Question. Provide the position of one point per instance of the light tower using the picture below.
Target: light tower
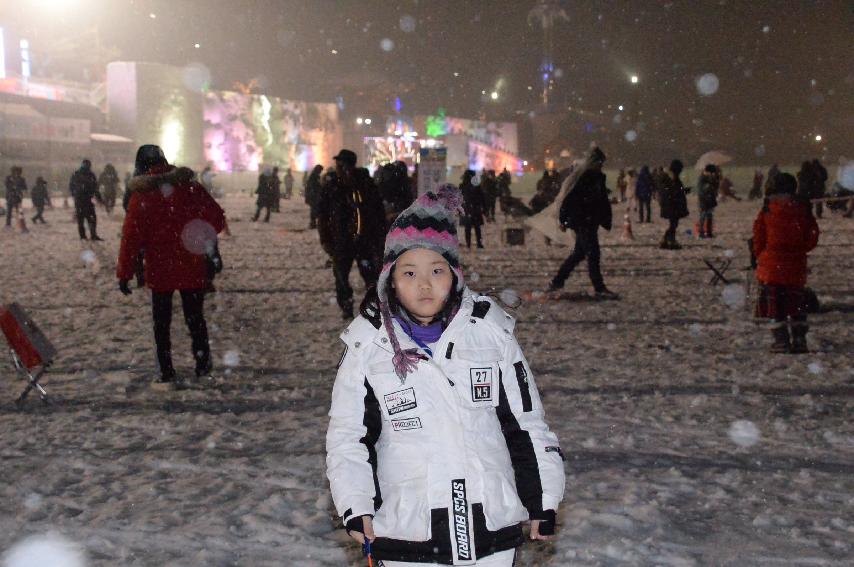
(546, 13)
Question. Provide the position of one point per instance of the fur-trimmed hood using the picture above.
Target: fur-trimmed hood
(173, 176)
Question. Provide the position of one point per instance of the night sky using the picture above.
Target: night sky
(785, 69)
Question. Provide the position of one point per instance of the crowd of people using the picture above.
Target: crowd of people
(352, 211)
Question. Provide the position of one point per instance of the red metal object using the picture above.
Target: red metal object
(25, 338)
(31, 352)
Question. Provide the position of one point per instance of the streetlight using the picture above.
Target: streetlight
(635, 79)
(368, 121)
(636, 99)
(818, 137)
(359, 120)
(493, 95)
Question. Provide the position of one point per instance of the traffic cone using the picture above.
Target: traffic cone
(22, 222)
(627, 228)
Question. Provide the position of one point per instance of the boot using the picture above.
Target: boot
(799, 338)
(781, 339)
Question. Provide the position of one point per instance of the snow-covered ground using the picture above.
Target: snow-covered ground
(687, 443)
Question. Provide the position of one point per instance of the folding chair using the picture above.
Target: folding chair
(29, 349)
(719, 271)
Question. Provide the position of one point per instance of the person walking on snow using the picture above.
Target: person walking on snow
(351, 225)
(83, 188)
(707, 200)
(585, 208)
(109, 183)
(474, 206)
(674, 204)
(437, 449)
(644, 189)
(16, 186)
(289, 186)
(40, 198)
(784, 232)
(266, 195)
(175, 221)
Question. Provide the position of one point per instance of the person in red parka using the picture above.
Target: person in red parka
(174, 222)
(784, 232)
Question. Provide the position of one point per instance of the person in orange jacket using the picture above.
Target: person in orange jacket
(784, 232)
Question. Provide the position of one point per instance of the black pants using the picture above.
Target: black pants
(39, 211)
(476, 227)
(586, 246)
(258, 213)
(670, 233)
(644, 205)
(490, 209)
(9, 211)
(86, 214)
(193, 303)
(342, 263)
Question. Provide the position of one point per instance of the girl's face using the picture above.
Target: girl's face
(422, 280)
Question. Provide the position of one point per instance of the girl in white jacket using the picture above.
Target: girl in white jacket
(437, 448)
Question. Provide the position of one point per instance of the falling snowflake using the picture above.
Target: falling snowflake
(196, 77)
(631, 136)
(743, 433)
(733, 296)
(231, 358)
(407, 24)
(198, 237)
(42, 550)
(707, 84)
(386, 44)
(88, 257)
(509, 297)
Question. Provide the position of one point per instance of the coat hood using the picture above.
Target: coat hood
(171, 175)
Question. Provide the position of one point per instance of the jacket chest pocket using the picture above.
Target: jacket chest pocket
(475, 373)
(397, 401)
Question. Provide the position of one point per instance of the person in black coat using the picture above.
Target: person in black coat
(83, 188)
(474, 207)
(40, 198)
(351, 225)
(312, 194)
(674, 204)
(16, 185)
(266, 192)
(585, 208)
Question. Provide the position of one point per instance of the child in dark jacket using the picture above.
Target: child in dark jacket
(783, 233)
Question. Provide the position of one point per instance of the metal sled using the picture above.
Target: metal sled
(30, 351)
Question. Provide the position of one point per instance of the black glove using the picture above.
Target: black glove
(547, 520)
(123, 287)
(356, 524)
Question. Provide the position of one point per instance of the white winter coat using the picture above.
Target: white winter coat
(457, 455)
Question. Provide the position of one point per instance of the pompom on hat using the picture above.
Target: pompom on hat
(431, 223)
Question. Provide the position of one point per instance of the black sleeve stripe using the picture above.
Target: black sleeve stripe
(480, 309)
(526, 470)
(373, 422)
(522, 379)
(449, 351)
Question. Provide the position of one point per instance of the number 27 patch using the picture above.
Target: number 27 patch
(481, 384)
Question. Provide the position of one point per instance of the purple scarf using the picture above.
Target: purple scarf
(420, 334)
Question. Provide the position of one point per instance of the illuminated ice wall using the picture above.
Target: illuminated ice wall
(247, 132)
(502, 136)
(152, 104)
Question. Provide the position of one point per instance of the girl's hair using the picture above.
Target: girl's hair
(370, 307)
